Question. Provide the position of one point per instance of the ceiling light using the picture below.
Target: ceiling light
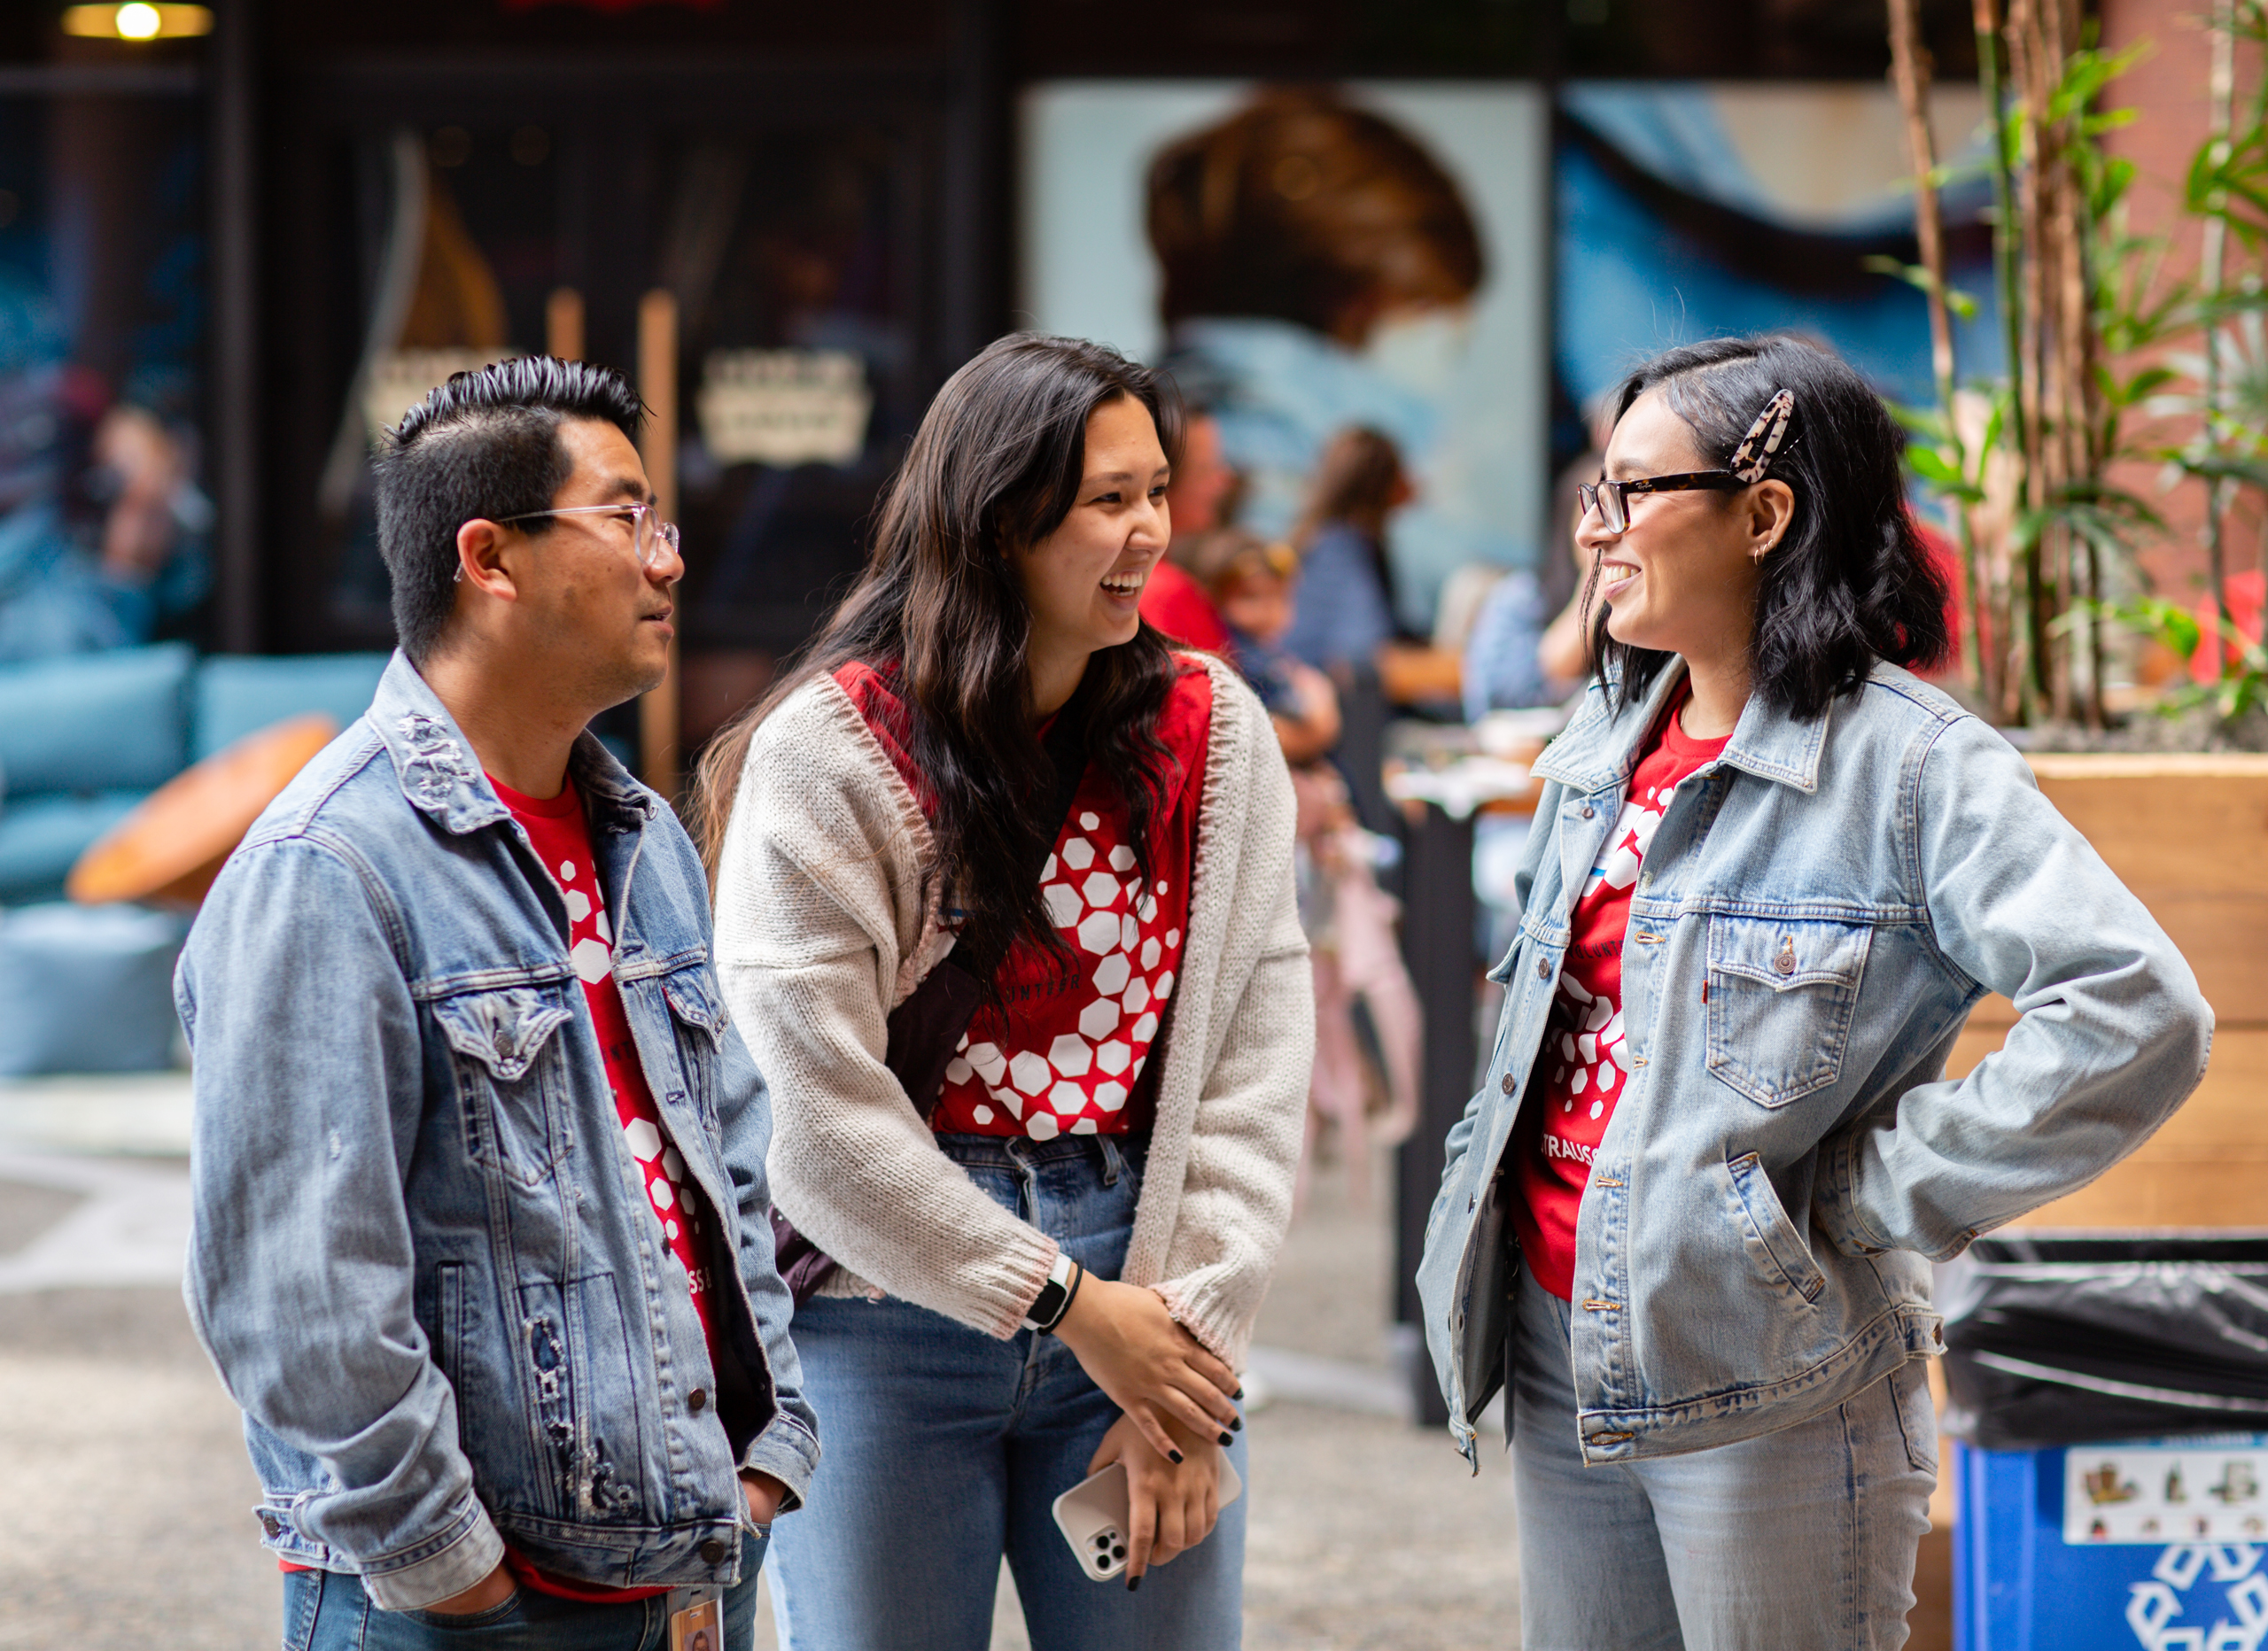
(137, 21)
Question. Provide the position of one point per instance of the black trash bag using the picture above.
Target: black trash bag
(2074, 1337)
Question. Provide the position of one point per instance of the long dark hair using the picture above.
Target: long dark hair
(1850, 582)
(995, 465)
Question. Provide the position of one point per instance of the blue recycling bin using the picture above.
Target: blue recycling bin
(2160, 1544)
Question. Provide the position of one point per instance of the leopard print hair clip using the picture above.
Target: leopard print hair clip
(1751, 461)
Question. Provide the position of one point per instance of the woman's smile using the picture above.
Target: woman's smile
(1124, 587)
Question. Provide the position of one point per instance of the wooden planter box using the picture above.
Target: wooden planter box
(2189, 835)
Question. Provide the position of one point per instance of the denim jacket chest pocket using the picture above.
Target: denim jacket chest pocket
(510, 1086)
(698, 1014)
(1781, 993)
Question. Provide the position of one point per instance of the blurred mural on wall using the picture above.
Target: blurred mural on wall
(1685, 211)
(103, 526)
(1310, 258)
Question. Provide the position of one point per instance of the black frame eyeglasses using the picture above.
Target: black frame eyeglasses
(1767, 439)
(1612, 500)
(648, 534)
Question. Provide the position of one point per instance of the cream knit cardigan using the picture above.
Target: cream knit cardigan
(821, 931)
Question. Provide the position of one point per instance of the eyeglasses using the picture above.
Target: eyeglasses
(1612, 500)
(1751, 461)
(649, 532)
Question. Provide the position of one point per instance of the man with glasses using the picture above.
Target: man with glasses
(481, 1239)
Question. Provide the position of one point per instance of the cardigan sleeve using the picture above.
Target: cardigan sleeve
(808, 948)
(1244, 1147)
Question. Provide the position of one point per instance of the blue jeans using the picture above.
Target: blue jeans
(946, 1449)
(1804, 1536)
(328, 1611)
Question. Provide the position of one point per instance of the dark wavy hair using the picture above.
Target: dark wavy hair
(1851, 581)
(996, 464)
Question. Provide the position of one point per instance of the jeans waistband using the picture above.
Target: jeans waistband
(1111, 1154)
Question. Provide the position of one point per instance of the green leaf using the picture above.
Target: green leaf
(2225, 467)
(1932, 465)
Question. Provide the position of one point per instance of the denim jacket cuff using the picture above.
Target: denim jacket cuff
(1835, 1204)
(443, 1567)
(787, 1451)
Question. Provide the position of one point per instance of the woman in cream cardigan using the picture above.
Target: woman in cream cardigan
(1004, 910)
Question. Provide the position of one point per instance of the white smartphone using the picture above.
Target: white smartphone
(1094, 1513)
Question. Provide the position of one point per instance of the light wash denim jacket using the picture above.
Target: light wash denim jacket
(423, 1259)
(1817, 912)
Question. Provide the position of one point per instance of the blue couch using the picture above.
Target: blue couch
(86, 737)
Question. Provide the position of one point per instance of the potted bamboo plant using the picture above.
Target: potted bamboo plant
(2113, 364)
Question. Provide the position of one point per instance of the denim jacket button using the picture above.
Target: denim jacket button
(697, 1399)
(272, 1525)
(1508, 1084)
(1543, 968)
(1589, 812)
(712, 1552)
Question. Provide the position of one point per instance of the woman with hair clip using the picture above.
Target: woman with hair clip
(1689, 1217)
(1006, 913)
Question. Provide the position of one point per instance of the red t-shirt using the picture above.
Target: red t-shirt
(1582, 1062)
(1176, 606)
(562, 836)
(1062, 1050)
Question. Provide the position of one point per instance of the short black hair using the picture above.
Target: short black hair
(485, 444)
(1851, 581)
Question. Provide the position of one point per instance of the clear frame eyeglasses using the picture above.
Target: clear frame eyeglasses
(650, 534)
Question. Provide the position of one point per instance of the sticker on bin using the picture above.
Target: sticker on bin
(2162, 1494)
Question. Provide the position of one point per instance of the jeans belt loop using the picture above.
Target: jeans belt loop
(1112, 1161)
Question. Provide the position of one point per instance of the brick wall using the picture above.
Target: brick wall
(2169, 90)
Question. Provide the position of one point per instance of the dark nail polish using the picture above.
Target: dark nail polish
(1238, 1394)
(1172, 1455)
(1227, 1438)
(1236, 1424)
(1133, 1583)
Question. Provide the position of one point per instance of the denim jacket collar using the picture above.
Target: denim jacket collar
(1598, 749)
(439, 774)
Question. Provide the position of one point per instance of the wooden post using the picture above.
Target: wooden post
(562, 324)
(657, 709)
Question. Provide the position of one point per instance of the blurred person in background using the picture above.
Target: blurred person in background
(1350, 921)
(1688, 1220)
(102, 527)
(958, 888)
(1202, 496)
(1346, 614)
(1513, 659)
(481, 1234)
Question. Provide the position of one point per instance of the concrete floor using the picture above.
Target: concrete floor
(129, 1524)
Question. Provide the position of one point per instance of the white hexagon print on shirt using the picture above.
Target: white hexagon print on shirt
(1080, 1070)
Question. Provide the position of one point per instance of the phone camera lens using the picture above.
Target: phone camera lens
(1102, 1563)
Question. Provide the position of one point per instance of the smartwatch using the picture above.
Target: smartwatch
(1054, 1298)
